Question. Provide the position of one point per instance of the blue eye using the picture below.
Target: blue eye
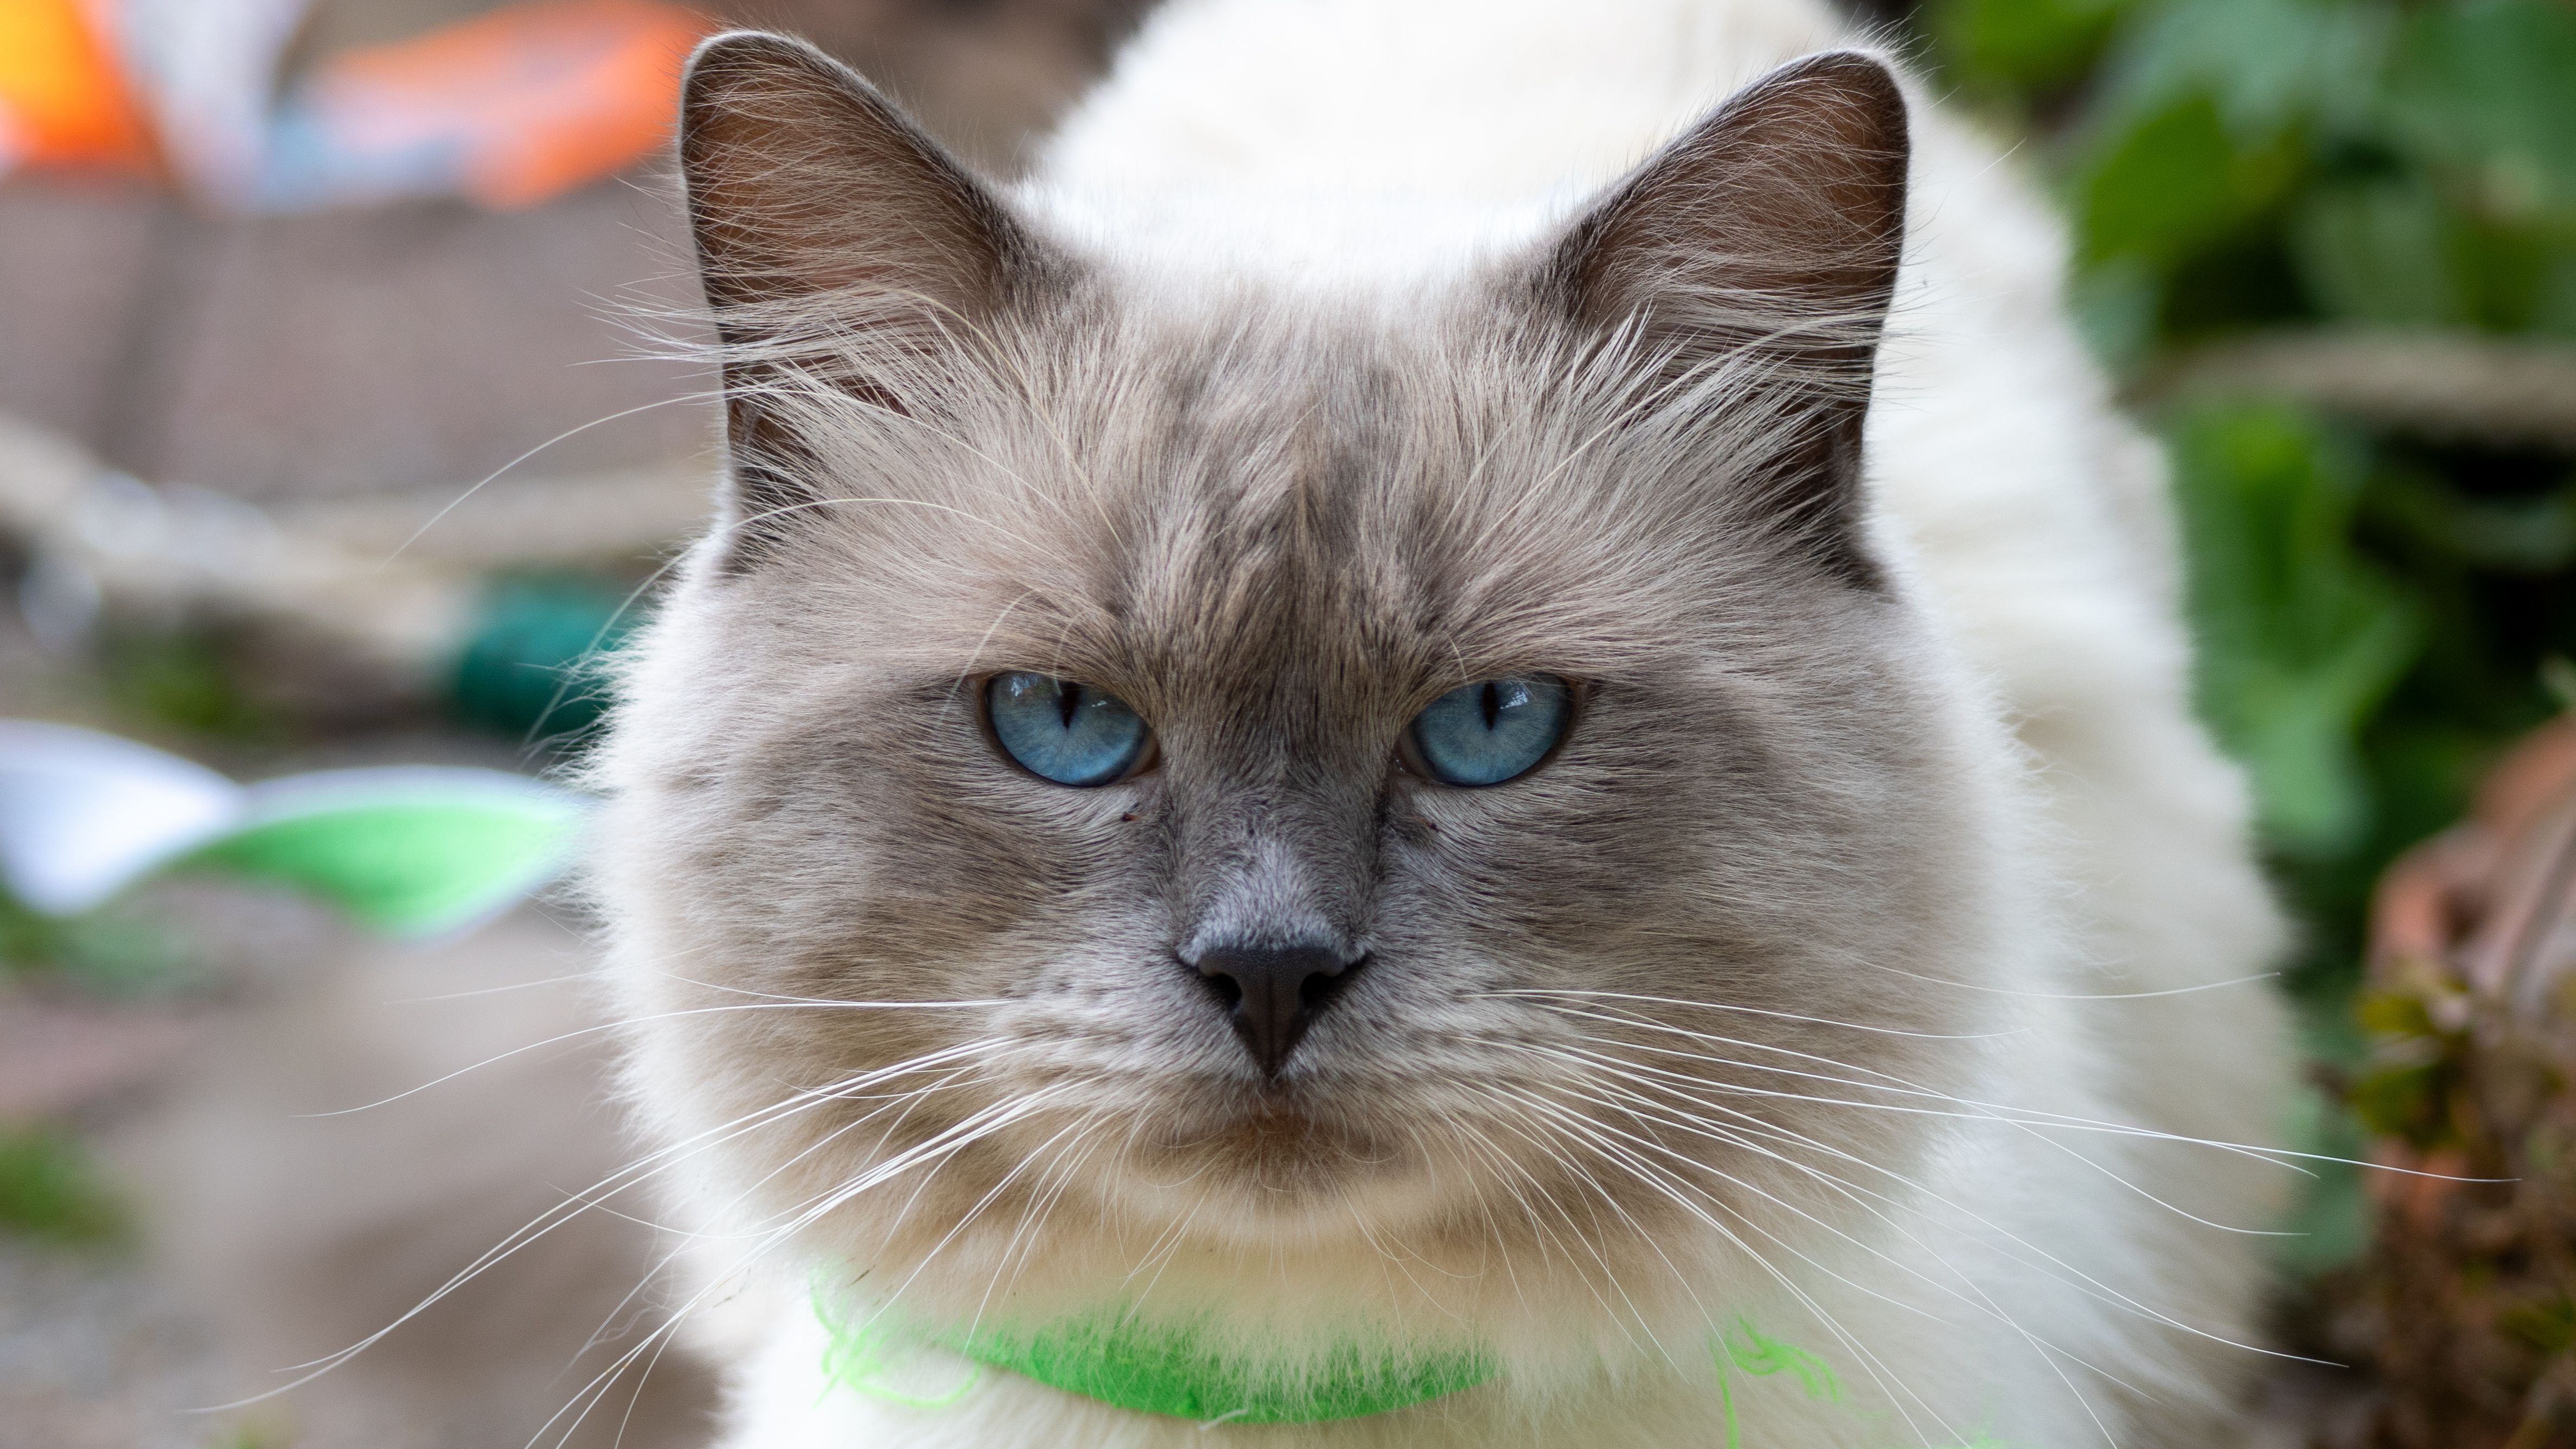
(1487, 733)
(1070, 733)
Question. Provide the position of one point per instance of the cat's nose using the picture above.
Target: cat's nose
(1273, 993)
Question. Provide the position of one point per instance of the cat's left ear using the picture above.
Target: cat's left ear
(838, 244)
(804, 181)
(1753, 260)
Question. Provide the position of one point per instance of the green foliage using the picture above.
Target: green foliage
(2328, 1223)
(183, 679)
(2376, 612)
(2301, 637)
(2024, 43)
(2481, 94)
(49, 1192)
(2397, 164)
(2548, 1328)
(2174, 182)
(2378, 615)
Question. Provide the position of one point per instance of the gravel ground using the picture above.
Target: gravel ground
(98, 1352)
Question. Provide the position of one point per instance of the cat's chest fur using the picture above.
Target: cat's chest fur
(1806, 996)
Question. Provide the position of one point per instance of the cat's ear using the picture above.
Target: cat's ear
(1763, 245)
(803, 180)
(836, 241)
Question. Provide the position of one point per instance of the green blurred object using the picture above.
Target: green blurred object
(2385, 251)
(2276, 70)
(529, 669)
(406, 867)
(2487, 93)
(2328, 1225)
(48, 1192)
(2175, 182)
(1173, 1373)
(184, 678)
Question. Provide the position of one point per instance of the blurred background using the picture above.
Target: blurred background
(281, 283)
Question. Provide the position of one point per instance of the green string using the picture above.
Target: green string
(854, 1358)
(1747, 1348)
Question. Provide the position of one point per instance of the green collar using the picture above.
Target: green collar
(1174, 1372)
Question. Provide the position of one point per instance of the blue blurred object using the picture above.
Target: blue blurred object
(530, 668)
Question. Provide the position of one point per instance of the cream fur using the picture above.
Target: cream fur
(1359, 147)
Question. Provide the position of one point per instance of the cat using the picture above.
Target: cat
(1473, 732)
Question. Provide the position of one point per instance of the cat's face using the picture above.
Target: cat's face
(946, 1010)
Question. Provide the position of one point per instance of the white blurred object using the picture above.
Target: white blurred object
(82, 813)
(207, 71)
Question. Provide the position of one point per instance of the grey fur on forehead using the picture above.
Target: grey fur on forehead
(1724, 303)
(1116, 471)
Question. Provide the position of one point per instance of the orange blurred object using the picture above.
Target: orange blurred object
(528, 101)
(63, 99)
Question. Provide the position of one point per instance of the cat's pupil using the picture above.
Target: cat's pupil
(1493, 702)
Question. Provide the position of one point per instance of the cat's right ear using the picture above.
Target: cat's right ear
(837, 243)
(1749, 265)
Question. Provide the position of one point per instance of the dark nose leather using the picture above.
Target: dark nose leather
(1275, 994)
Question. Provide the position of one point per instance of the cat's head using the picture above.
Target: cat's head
(1240, 776)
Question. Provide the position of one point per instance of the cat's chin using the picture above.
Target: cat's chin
(1264, 1179)
(1267, 1166)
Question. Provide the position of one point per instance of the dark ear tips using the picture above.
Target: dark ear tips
(1861, 78)
(1847, 107)
(722, 58)
(744, 81)
(803, 180)
(1845, 98)
(1785, 205)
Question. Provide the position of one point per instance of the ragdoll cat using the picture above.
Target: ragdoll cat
(1471, 734)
